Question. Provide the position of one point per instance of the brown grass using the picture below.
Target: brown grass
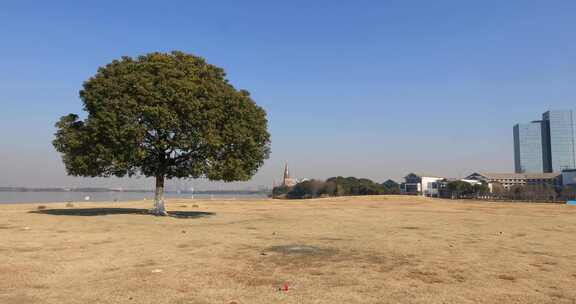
(346, 250)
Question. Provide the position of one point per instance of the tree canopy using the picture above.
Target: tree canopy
(167, 115)
(462, 189)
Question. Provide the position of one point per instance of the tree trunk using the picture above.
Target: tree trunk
(159, 208)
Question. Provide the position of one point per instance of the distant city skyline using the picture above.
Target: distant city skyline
(365, 89)
(546, 145)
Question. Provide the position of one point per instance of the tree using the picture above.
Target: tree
(391, 187)
(280, 191)
(536, 193)
(300, 190)
(329, 189)
(306, 189)
(498, 190)
(516, 192)
(164, 115)
(458, 188)
(480, 189)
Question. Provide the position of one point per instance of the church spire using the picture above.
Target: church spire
(286, 172)
(287, 181)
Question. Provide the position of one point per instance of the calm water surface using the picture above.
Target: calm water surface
(9, 197)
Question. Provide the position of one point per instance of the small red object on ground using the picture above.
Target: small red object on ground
(285, 287)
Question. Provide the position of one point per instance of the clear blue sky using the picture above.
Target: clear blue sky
(363, 88)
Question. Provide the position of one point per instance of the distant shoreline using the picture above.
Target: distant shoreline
(24, 189)
(23, 197)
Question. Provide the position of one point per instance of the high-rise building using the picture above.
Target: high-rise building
(559, 151)
(547, 145)
(528, 154)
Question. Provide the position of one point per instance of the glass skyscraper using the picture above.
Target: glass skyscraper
(559, 152)
(547, 145)
(528, 154)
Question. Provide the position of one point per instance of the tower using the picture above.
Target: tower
(286, 172)
(528, 148)
(559, 151)
(287, 181)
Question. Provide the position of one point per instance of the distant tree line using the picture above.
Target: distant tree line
(461, 189)
(535, 193)
(526, 193)
(336, 186)
(352, 186)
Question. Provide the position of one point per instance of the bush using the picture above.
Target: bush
(336, 186)
(280, 191)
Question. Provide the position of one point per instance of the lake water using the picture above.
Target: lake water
(8, 197)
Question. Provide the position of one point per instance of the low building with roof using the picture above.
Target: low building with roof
(509, 180)
(422, 184)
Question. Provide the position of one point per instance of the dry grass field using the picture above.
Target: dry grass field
(350, 250)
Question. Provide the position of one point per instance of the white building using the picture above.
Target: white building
(422, 184)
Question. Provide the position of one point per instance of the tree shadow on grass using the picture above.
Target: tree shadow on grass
(109, 211)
